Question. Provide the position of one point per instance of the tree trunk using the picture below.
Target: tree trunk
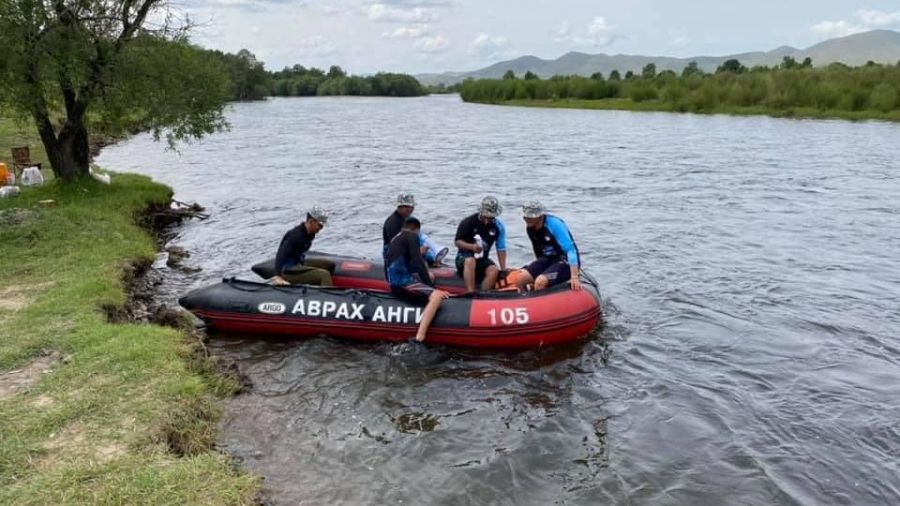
(69, 152)
(75, 150)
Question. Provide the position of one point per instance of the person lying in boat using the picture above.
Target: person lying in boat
(403, 260)
(556, 255)
(291, 265)
(475, 237)
(433, 253)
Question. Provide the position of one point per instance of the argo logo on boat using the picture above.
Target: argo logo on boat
(272, 308)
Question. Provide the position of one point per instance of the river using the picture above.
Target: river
(749, 267)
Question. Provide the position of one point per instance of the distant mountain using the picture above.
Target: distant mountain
(882, 46)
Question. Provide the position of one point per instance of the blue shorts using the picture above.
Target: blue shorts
(416, 294)
(554, 269)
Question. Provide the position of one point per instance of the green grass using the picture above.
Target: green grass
(626, 104)
(98, 427)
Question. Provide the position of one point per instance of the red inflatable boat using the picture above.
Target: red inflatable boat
(361, 309)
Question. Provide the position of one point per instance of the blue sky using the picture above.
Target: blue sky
(416, 36)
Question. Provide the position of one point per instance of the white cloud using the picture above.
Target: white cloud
(333, 10)
(865, 20)
(488, 47)
(246, 5)
(314, 46)
(435, 44)
(599, 34)
(879, 19)
(831, 29)
(382, 12)
(415, 3)
(407, 32)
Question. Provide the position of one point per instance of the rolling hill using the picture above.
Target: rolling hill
(882, 46)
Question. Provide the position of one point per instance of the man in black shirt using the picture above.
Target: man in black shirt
(291, 264)
(402, 260)
(475, 237)
(406, 204)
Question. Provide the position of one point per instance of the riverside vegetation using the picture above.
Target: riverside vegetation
(92, 411)
(793, 88)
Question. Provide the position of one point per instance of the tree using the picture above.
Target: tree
(509, 75)
(734, 66)
(96, 64)
(649, 71)
(335, 72)
(530, 76)
(692, 69)
(629, 75)
(395, 85)
(807, 63)
(249, 79)
(615, 76)
(788, 62)
(666, 75)
(597, 76)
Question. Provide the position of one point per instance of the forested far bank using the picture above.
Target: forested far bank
(251, 81)
(836, 90)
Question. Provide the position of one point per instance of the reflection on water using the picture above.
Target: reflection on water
(750, 350)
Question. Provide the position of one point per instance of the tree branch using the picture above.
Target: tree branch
(126, 10)
(130, 28)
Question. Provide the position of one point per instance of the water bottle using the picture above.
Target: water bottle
(480, 242)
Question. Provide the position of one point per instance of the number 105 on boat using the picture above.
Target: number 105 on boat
(508, 316)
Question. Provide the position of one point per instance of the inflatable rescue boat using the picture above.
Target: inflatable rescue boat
(351, 272)
(360, 307)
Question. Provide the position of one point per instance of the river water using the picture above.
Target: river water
(749, 266)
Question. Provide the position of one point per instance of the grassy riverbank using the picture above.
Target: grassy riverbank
(93, 412)
(788, 90)
(625, 104)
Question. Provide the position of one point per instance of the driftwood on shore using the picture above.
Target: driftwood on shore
(159, 217)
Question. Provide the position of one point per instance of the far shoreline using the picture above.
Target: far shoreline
(624, 104)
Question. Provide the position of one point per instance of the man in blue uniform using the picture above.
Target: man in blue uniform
(291, 264)
(475, 237)
(402, 260)
(556, 255)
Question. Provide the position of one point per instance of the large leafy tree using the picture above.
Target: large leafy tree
(77, 67)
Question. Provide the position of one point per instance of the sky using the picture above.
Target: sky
(420, 36)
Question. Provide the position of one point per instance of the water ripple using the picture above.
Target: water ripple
(750, 289)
